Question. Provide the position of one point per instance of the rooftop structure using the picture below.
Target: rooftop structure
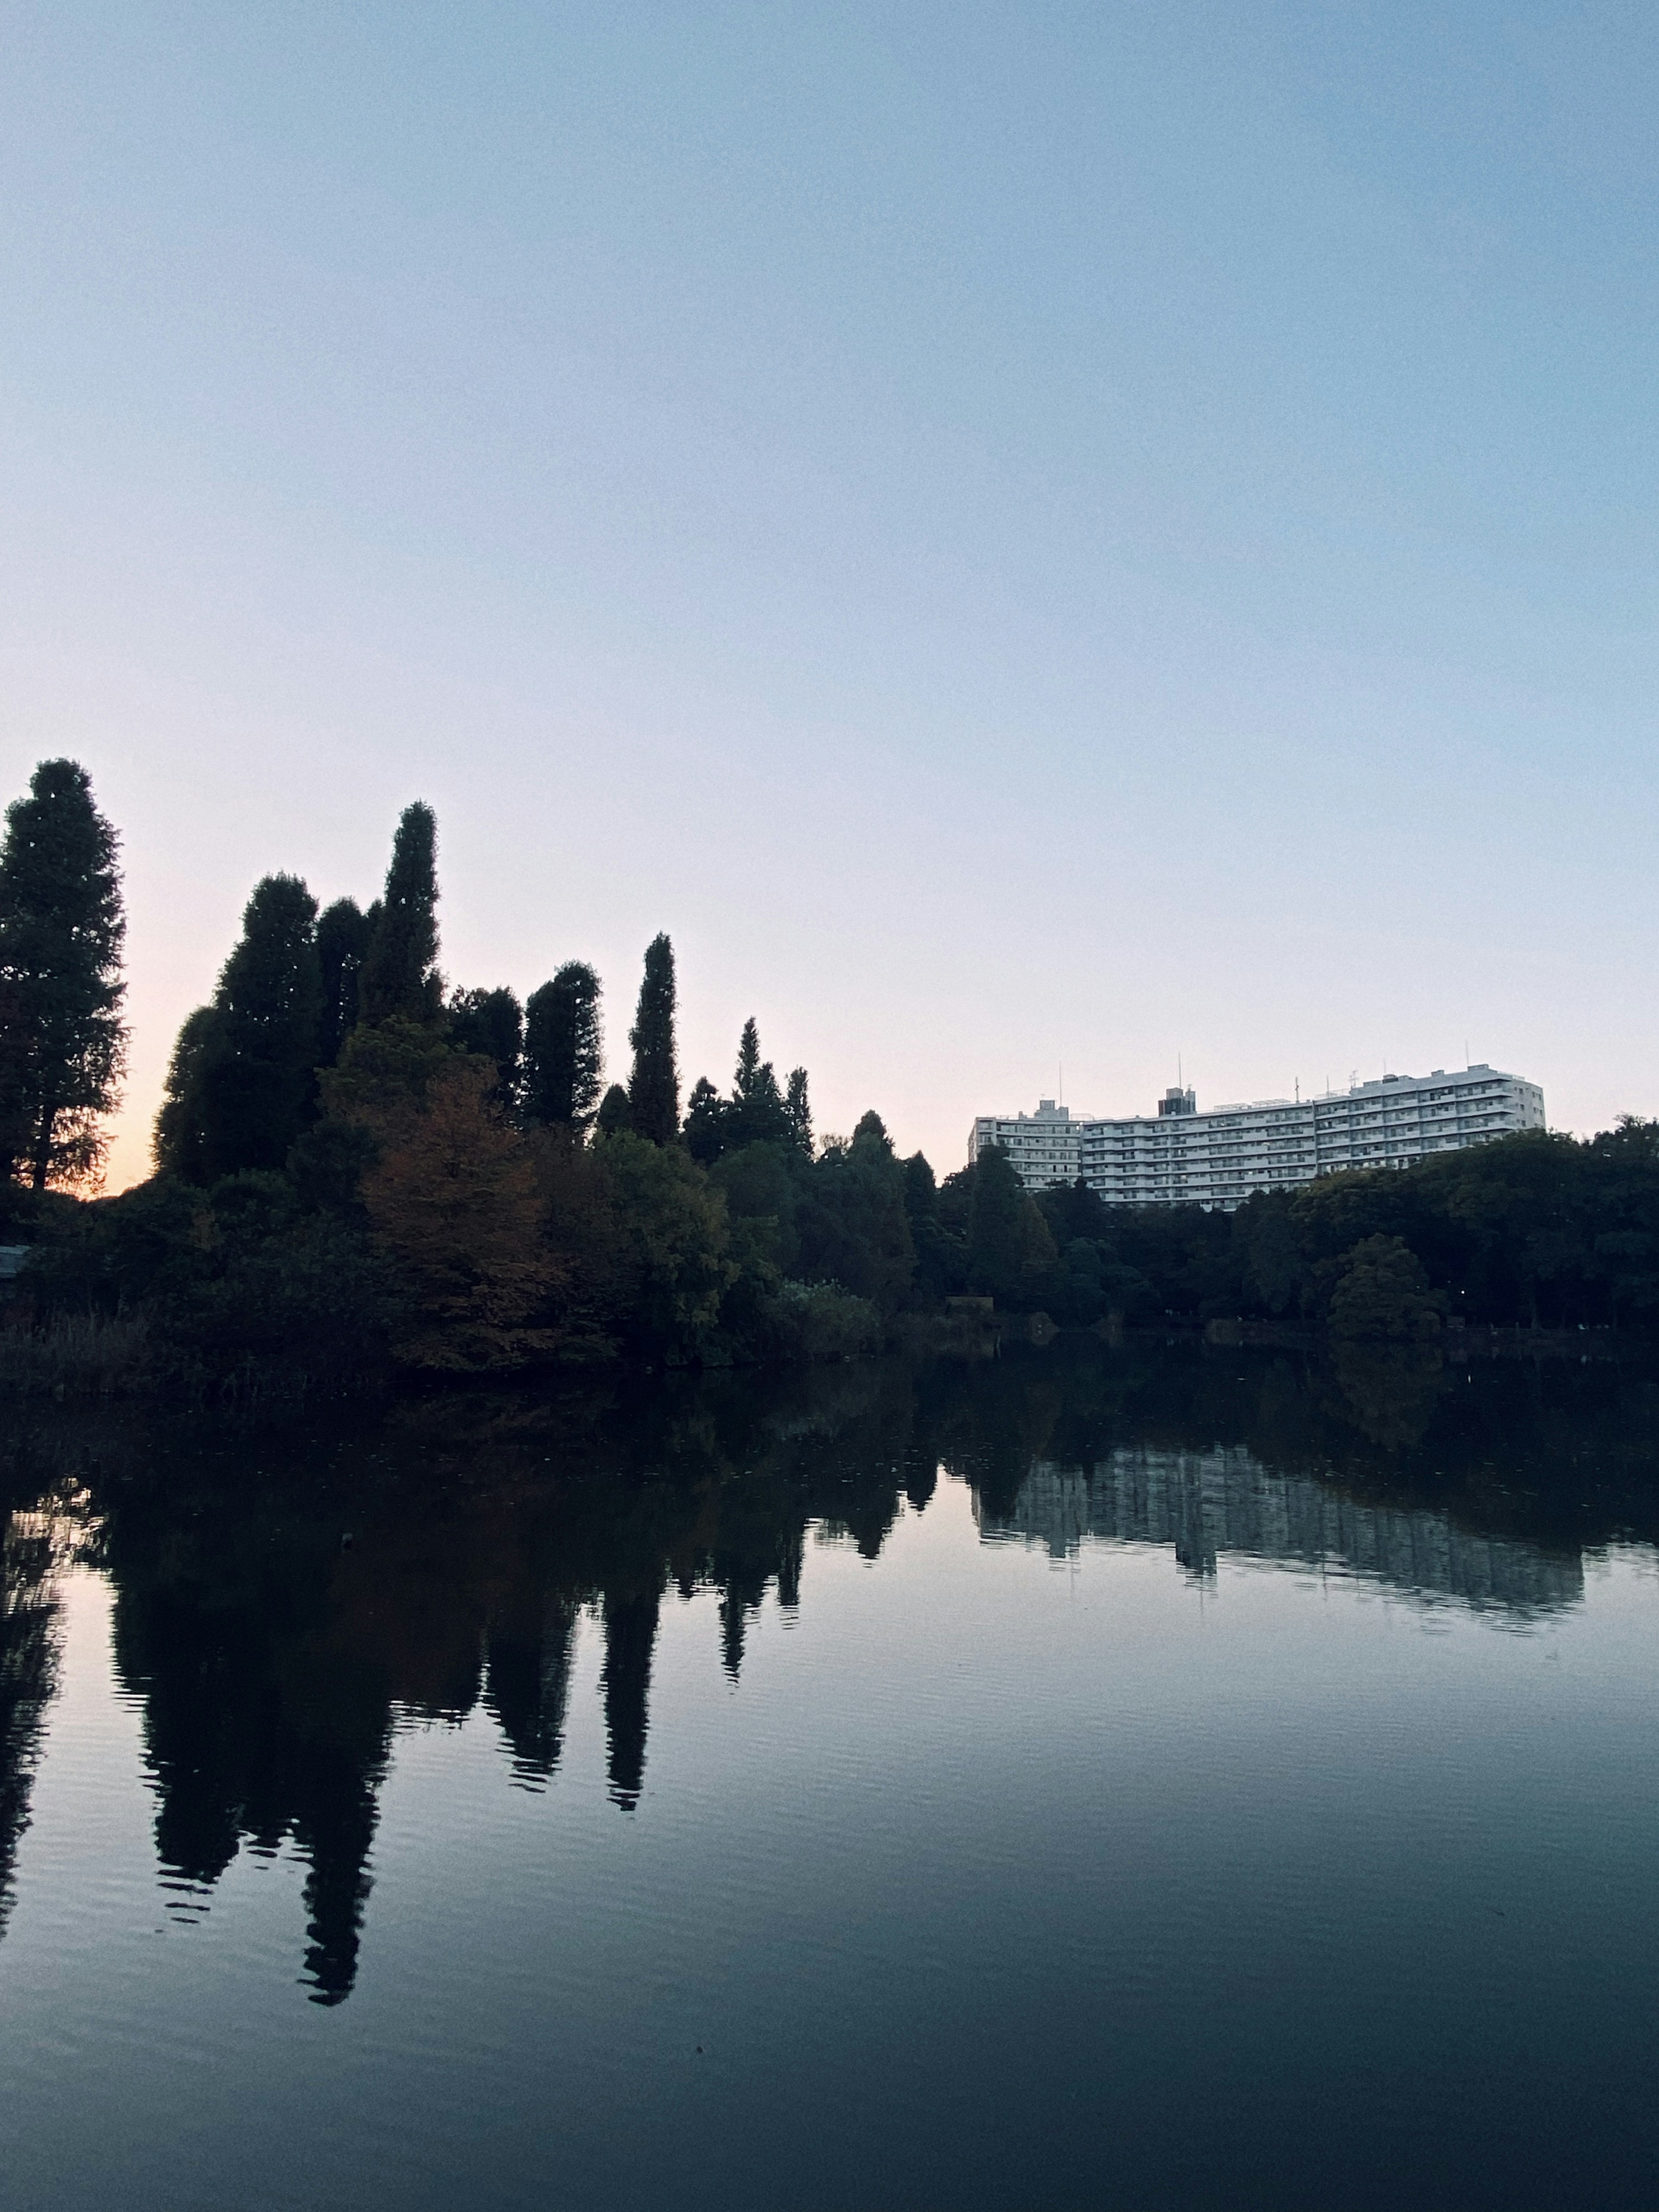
(1182, 1157)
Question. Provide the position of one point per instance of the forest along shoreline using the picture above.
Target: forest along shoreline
(363, 1173)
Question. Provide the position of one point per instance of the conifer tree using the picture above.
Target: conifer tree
(342, 938)
(615, 1118)
(61, 935)
(564, 1048)
(491, 1025)
(653, 1091)
(756, 1114)
(705, 1114)
(764, 1116)
(400, 975)
(243, 1084)
(798, 1112)
(749, 1061)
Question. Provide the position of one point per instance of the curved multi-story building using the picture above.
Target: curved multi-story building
(1180, 1157)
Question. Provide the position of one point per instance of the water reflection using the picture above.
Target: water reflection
(283, 1604)
(1204, 1504)
(31, 1550)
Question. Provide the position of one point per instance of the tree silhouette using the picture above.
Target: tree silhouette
(343, 937)
(29, 1677)
(399, 973)
(61, 935)
(653, 1090)
(630, 1635)
(242, 1085)
(564, 1051)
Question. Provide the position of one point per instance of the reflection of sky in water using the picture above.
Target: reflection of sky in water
(942, 1845)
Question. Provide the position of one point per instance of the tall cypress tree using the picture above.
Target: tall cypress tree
(243, 1083)
(749, 1061)
(343, 932)
(400, 973)
(61, 933)
(653, 1091)
(564, 1047)
(798, 1112)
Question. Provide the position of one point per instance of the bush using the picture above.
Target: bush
(816, 1321)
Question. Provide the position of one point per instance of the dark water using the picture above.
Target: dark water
(1125, 1778)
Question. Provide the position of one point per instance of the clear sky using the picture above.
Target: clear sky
(1016, 532)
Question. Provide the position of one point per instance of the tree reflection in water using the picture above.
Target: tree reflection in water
(31, 1550)
(285, 1602)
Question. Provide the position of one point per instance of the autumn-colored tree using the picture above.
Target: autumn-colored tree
(453, 1203)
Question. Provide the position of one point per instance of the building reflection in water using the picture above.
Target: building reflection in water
(1205, 1506)
(281, 1610)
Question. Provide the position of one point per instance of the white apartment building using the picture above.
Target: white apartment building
(1182, 1157)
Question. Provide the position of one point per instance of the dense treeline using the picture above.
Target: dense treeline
(359, 1166)
(1534, 1230)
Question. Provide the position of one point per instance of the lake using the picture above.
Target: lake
(1156, 1776)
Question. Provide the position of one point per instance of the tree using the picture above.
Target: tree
(384, 1073)
(705, 1123)
(760, 1184)
(177, 1144)
(1382, 1291)
(1010, 1249)
(678, 1264)
(941, 1261)
(615, 1115)
(1073, 1210)
(994, 1224)
(14, 1095)
(749, 1061)
(798, 1112)
(653, 1091)
(343, 932)
(61, 935)
(399, 973)
(491, 1024)
(564, 1048)
(1264, 1235)
(453, 1205)
(852, 1221)
(243, 1086)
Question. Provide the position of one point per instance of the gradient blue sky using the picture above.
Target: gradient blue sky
(1015, 532)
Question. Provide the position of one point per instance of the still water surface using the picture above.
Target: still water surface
(1129, 1779)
